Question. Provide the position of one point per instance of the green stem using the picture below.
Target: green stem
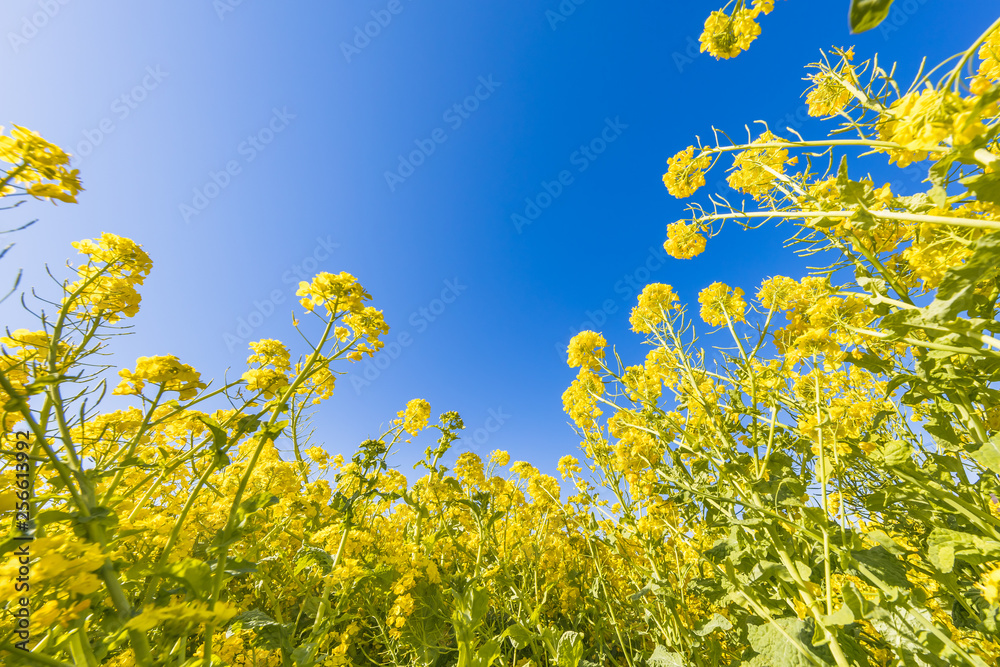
(888, 215)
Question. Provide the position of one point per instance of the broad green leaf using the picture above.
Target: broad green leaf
(313, 557)
(302, 656)
(988, 455)
(841, 617)
(268, 633)
(487, 654)
(236, 566)
(219, 436)
(896, 453)
(717, 622)
(867, 14)
(651, 587)
(570, 649)
(855, 608)
(857, 603)
(957, 287)
(902, 630)
(663, 658)
(518, 635)
(195, 574)
(944, 546)
(986, 187)
(883, 565)
(886, 542)
(773, 648)
(254, 504)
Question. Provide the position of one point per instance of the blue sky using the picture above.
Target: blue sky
(244, 144)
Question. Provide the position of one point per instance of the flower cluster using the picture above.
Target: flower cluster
(655, 303)
(829, 95)
(922, 121)
(586, 350)
(726, 36)
(166, 371)
(684, 240)
(415, 416)
(686, 173)
(756, 169)
(38, 166)
(721, 304)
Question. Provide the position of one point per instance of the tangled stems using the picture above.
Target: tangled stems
(268, 433)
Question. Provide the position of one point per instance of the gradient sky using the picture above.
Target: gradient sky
(243, 142)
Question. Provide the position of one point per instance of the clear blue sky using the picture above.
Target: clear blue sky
(241, 142)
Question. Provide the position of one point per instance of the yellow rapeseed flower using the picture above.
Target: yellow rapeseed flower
(990, 586)
(920, 122)
(655, 302)
(500, 458)
(755, 169)
(686, 173)
(416, 416)
(166, 370)
(684, 241)
(38, 165)
(718, 300)
(586, 349)
(726, 36)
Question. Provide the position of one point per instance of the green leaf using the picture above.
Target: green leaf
(988, 455)
(487, 653)
(957, 287)
(236, 566)
(196, 575)
(867, 14)
(274, 432)
(663, 658)
(302, 655)
(651, 587)
(518, 635)
(570, 649)
(52, 516)
(896, 453)
(254, 504)
(313, 557)
(883, 565)
(903, 631)
(944, 546)
(219, 436)
(841, 617)
(886, 542)
(985, 186)
(860, 607)
(268, 633)
(773, 648)
(717, 622)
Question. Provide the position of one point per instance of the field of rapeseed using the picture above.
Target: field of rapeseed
(819, 490)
